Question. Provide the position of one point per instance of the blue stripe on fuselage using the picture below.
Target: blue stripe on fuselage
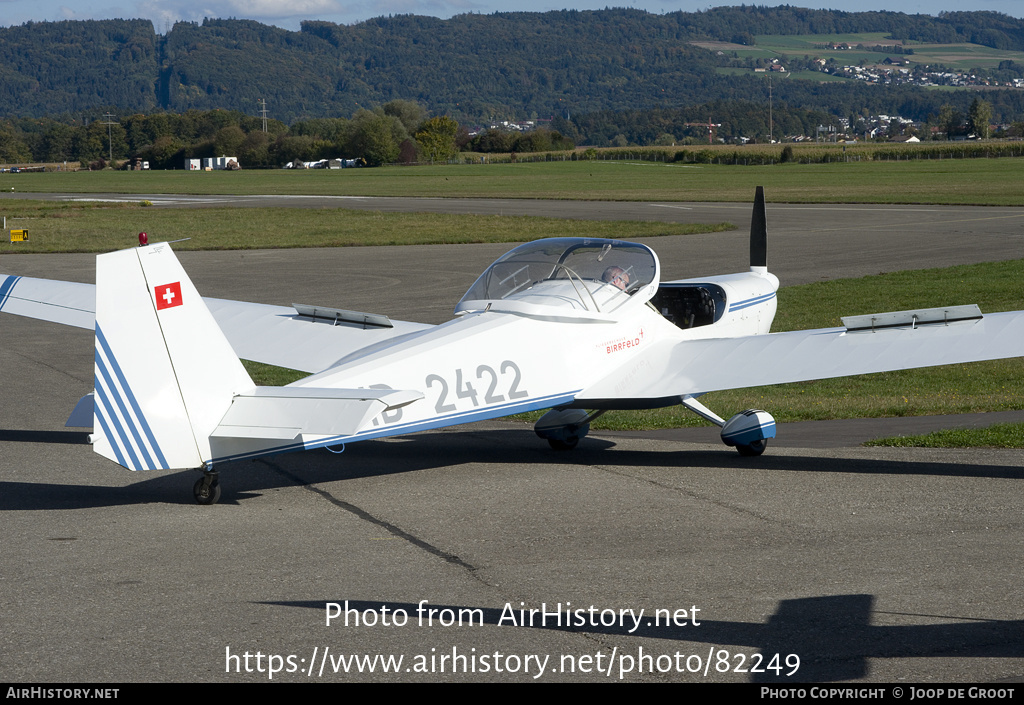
(453, 419)
(751, 302)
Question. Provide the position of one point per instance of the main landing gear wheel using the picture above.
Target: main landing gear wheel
(563, 428)
(751, 449)
(567, 444)
(207, 489)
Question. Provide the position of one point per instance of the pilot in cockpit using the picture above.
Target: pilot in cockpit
(616, 276)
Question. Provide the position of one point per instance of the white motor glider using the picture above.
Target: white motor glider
(576, 325)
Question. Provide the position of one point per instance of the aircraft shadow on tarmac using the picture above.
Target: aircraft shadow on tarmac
(431, 451)
(832, 635)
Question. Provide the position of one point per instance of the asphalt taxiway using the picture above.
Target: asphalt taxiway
(868, 564)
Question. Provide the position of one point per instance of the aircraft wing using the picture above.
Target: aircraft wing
(671, 370)
(275, 335)
(68, 303)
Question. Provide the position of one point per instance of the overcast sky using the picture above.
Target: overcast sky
(288, 13)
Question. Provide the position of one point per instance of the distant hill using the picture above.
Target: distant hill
(474, 67)
(56, 67)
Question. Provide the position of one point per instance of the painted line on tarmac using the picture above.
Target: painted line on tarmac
(163, 201)
(154, 201)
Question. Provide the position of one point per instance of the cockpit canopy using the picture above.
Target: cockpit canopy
(566, 277)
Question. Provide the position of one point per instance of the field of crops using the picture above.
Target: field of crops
(955, 56)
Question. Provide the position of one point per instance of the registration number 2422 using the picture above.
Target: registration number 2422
(457, 388)
(490, 387)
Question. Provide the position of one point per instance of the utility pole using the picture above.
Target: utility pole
(110, 139)
(771, 126)
(263, 111)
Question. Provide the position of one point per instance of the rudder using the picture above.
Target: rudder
(164, 373)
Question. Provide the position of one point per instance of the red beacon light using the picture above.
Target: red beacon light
(143, 239)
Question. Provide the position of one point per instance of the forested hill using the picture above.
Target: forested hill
(48, 68)
(472, 66)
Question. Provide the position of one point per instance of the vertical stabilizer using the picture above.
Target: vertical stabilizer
(164, 374)
(759, 234)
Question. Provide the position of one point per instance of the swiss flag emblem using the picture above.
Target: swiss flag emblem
(167, 295)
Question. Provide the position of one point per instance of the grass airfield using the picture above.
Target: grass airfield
(994, 182)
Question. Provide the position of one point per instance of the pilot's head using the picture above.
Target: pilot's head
(616, 276)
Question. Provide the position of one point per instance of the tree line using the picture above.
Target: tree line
(402, 131)
(399, 130)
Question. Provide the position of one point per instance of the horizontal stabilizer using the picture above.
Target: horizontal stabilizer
(285, 412)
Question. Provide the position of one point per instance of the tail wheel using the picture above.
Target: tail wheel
(751, 449)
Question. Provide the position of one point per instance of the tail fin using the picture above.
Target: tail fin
(170, 391)
(759, 234)
(164, 373)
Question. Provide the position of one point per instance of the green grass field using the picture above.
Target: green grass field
(1004, 435)
(101, 227)
(936, 181)
(802, 42)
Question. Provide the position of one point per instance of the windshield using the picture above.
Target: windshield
(584, 274)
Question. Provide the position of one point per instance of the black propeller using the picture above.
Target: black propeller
(758, 232)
